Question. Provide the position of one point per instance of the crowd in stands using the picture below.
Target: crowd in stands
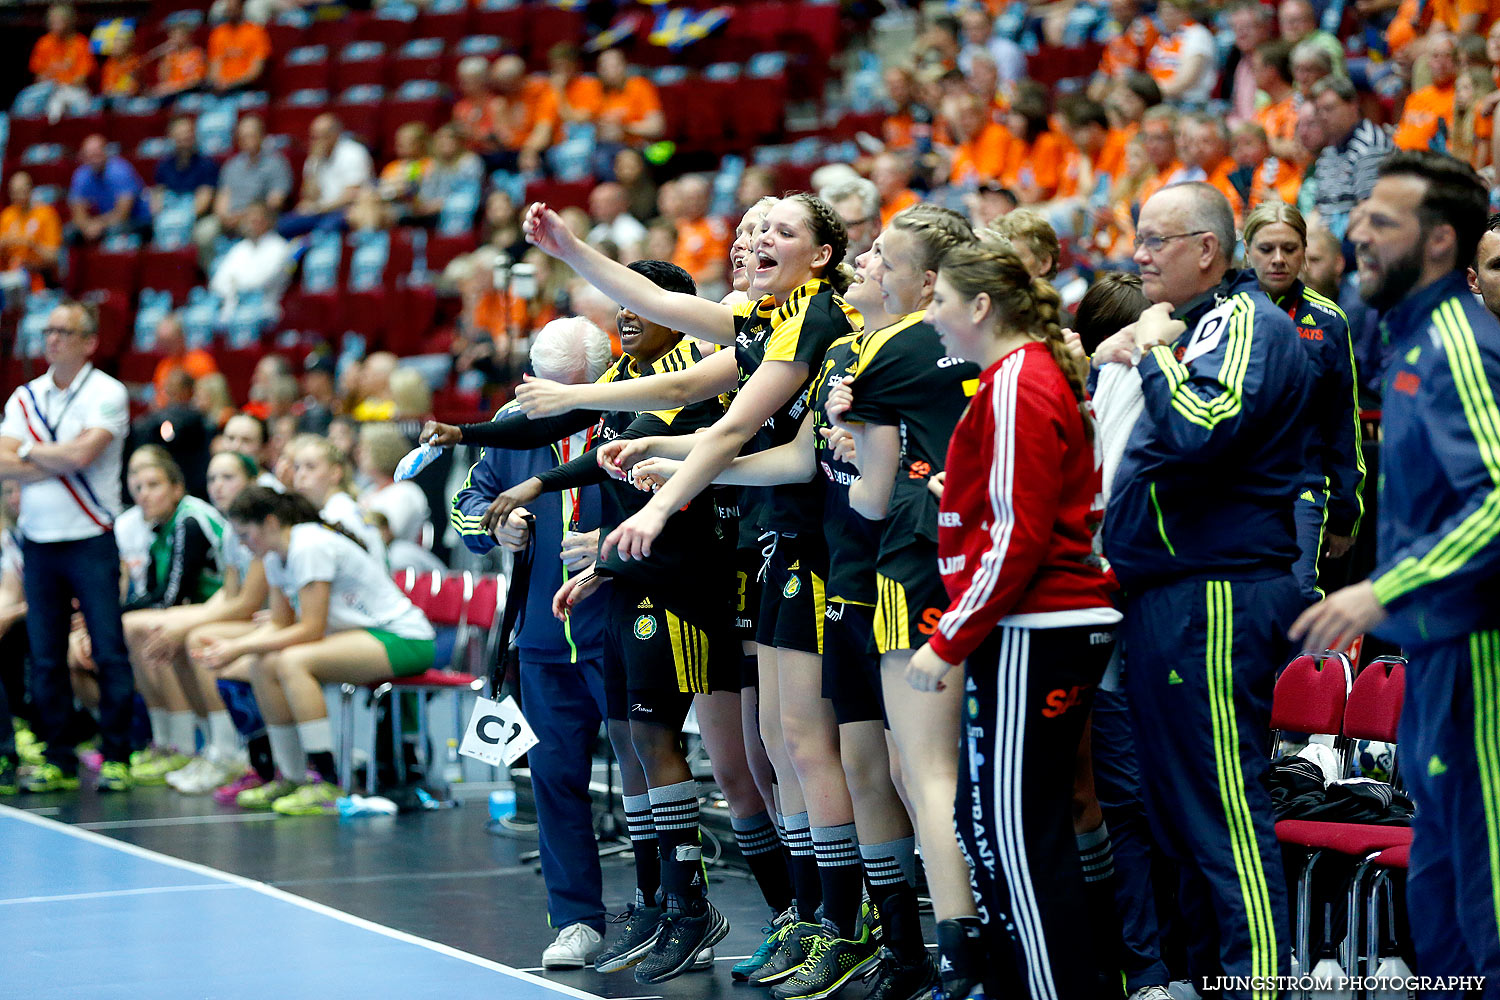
(310, 285)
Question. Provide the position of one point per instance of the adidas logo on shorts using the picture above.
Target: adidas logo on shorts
(644, 604)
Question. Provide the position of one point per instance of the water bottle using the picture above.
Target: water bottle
(503, 799)
(1392, 969)
(1328, 968)
(453, 769)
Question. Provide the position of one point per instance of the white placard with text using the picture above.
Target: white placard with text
(497, 732)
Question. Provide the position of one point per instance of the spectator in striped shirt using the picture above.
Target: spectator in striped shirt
(1356, 146)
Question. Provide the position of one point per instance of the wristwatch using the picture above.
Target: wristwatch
(24, 451)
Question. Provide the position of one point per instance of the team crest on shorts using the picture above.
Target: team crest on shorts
(792, 586)
(645, 627)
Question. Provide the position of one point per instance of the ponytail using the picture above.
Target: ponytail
(1027, 305)
(257, 503)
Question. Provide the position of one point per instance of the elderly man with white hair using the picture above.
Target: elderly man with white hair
(857, 201)
(562, 669)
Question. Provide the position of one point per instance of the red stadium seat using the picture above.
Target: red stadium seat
(92, 268)
(175, 271)
(238, 365)
(128, 130)
(442, 249)
(451, 25)
(507, 22)
(560, 194)
(430, 111)
(138, 366)
(26, 131)
(546, 27)
(338, 31)
(363, 120)
(413, 312)
(351, 72)
(421, 67)
(446, 608)
(287, 76)
(293, 120)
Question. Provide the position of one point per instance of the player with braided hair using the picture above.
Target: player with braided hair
(1030, 617)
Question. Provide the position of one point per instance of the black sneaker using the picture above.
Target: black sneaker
(962, 960)
(681, 938)
(790, 954)
(895, 980)
(642, 924)
(9, 785)
(832, 962)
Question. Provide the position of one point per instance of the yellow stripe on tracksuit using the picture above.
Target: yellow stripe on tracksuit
(892, 625)
(1359, 451)
(1244, 846)
(689, 655)
(1480, 528)
(1483, 650)
(1208, 413)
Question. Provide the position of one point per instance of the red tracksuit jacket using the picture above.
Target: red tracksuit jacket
(1015, 543)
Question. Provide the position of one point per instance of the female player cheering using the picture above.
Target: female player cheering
(1029, 613)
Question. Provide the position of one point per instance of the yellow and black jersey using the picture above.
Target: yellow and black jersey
(904, 380)
(686, 552)
(853, 540)
(800, 330)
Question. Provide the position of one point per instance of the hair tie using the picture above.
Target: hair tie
(251, 467)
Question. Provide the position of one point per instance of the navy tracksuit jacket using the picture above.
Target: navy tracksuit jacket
(1331, 499)
(1438, 575)
(1200, 533)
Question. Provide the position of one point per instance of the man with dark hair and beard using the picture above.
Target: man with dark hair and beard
(1484, 273)
(1436, 585)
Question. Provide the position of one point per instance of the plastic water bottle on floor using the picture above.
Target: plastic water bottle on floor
(503, 799)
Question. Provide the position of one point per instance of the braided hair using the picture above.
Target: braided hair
(256, 503)
(936, 230)
(827, 229)
(1021, 303)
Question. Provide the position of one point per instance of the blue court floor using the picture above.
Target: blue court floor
(86, 917)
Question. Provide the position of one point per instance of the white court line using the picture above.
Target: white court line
(112, 893)
(287, 897)
(206, 820)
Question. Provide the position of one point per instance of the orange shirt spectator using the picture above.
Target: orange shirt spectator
(121, 76)
(585, 95)
(983, 157)
(701, 245)
(1034, 170)
(1421, 115)
(903, 200)
(30, 238)
(1079, 167)
(236, 53)
(1280, 119)
(197, 363)
(1219, 178)
(1275, 179)
(475, 117)
(65, 60)
(632, 103)
(1127, 50)
(179, 71)
(516, 116)
(1174, 173)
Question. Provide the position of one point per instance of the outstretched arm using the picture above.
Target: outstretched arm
(696, 317)
(710, 377)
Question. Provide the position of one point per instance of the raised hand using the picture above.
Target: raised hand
(545, 230)
(652, 473)
(539, 397)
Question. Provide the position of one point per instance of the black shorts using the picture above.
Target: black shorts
(851, 671)
(747, 588)
(911, 597)
(793, 599)
(671, 643)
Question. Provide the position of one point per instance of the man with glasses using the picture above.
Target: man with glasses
(857, 201)
(1346, 167)
(62, 440)
(1200, 532)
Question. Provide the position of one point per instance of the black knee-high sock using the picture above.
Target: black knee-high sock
(674, 811)
(259, 748)
(891, 869)
(643, 844)
(1096, 854)
(758, 843)
(805, 879)
(836, 849)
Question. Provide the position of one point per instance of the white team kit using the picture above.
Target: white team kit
(362, 595)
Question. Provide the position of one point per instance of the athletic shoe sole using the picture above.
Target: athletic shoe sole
(857, 972)
(716, 933)
(629, 959)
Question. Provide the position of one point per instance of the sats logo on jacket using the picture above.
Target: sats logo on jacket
(1062, 699)
(1407, 382)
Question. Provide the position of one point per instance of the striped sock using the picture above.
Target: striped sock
(674, 811)
(805, 880)
(1096, 854)
(643, 843)
(842, 876)
(758, 843)
(891, 869)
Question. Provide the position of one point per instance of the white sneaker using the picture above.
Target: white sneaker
(575, 947)
(705, 959)
(212, 771)
(1151, 993)
(187, 772)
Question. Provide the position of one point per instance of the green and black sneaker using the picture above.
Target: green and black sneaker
(831, 963)
(774, 931)
(642, 925)
(8, 781)
(48, 777)
(114, 776)
(791, 951)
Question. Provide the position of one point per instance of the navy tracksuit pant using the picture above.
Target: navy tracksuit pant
(1117, 782)
(564, 703)
(1450, 760)
(1310, 515)
(1203, 657)
(54, 574)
